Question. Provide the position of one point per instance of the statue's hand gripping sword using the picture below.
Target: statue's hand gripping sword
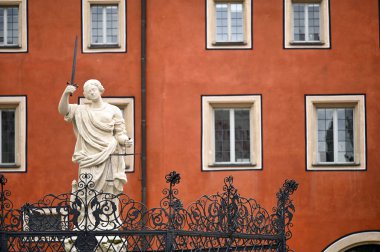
(74, 65)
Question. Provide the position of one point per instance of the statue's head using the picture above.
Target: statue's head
(91, 83)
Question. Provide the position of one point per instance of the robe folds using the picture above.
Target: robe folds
(97, 131)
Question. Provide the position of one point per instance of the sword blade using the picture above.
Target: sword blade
(74, 61)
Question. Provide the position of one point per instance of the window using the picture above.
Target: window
(13, 30)
(335, 135)
(231, 132)
(104, 26)
(126, 105)
(335, 132)
(229, 24)
(7, 135)
(231, 135)
(306, 24)
(13, 134)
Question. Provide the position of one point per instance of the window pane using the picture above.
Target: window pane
(1, 25)
(237, 22)
(221, 22)
(299, 22)
(325, 135)
(112, 23)
(345, 135)
(314, 20)
(8, 136)
(97, 24)
(222, 135)
(10, 16)
(242, 136)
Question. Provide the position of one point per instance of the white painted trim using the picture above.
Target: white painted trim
(353, 240)
(86, 26)
(18, 103)
(324, 25)
(356, 101)
(211, 25)
(253, 103)
(23, 29)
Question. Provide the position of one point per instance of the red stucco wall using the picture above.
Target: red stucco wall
(179, 70)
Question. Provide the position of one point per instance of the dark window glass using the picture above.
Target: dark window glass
(242, 136)
(7, 136)
(222, 135)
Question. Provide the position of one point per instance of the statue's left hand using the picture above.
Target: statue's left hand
(128, 142)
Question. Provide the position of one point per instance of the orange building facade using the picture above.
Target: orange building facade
(283, 62)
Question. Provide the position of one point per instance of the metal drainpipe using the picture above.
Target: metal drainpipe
(143, 101)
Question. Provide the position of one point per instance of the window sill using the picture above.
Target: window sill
(229, 43)
(10, 166)
(10, 47)
(232, 165)
(104, 46)
(305, 43)
(335, 164)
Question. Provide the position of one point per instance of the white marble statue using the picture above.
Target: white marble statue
(100, 131)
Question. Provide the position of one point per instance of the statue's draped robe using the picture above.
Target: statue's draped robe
(97, 130)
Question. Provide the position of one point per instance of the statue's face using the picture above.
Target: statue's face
(92, 92)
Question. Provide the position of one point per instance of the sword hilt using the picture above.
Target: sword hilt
(72, 84)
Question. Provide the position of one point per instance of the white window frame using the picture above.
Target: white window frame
(232, 135)
(211, 42)
(357, 102)
(19, 104)
(306, 23)
(22, 45)
(251, 102)
(127, 106)
(121, 45)
(335, 132)
(324, 25)
(104, 30)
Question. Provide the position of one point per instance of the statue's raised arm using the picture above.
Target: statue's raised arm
(63, 106)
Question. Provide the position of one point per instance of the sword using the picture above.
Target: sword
(74, 65)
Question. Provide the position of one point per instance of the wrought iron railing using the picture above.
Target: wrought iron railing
(88, 220)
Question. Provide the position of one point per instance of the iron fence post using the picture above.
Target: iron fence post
(169, 240)
(283, 234)
(285, 209)
(4, 241)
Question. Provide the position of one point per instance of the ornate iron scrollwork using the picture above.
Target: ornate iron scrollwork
(88, 220)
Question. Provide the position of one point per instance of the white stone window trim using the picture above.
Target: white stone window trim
(211, 26)
(209, 103)
(19, 104)
(325, 40)
(353, 240)
(87, 47)
(312, 102)
(127, 104)
(22, 26)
